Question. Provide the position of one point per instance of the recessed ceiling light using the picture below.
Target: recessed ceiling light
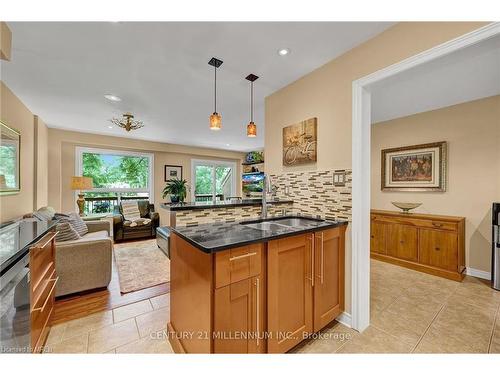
(113, 98)
(227, 144)
(110, 126)
(284, 51)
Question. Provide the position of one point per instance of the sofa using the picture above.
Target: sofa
(85, 263)
(122, 231)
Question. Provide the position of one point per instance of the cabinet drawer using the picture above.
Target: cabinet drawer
(435, 224)
(438, 249)
(237, 264)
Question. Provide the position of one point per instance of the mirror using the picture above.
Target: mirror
(10, 141)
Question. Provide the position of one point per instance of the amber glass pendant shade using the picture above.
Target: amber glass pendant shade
(251, 129)
(215, 121)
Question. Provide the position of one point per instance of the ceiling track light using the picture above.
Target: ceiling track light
(251, 127)
(215, 118)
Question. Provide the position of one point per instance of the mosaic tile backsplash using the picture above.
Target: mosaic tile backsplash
(313, 193)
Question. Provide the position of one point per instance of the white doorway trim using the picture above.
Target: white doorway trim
(361, 138)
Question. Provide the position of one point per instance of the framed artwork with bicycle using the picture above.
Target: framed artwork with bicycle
(300, 142)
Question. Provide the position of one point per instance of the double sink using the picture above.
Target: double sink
(280, 223)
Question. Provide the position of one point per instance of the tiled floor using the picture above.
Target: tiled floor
(410, 312)
(134, 328)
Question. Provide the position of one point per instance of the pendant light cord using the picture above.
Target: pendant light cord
(215, 89)
(251, 102)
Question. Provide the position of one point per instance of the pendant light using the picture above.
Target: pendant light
(251, 127)
(215, 118)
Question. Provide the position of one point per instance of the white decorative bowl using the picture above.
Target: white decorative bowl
(406, 207)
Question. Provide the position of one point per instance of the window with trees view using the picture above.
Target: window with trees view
(213, 180)
(117, 175)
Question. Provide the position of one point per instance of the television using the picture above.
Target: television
(252, 183)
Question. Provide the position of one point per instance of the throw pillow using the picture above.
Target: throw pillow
(65, 232)
(76, 222)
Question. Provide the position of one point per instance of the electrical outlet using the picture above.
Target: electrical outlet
(339, 178)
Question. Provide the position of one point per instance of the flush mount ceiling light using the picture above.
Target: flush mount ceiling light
(127, 122)
(113, 98)
(284, 51)
(215, 118)
(251, 127)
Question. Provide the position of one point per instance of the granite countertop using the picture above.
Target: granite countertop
(204, 205)
(214, 237)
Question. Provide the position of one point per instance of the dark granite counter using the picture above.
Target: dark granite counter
(204, 205)
(211, 238)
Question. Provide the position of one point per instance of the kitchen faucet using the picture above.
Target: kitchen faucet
(267, 188)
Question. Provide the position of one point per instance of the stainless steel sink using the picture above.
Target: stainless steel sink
(286, 222)
(265, 225)
(296, 221)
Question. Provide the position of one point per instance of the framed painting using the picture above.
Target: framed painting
(300, 142)
(10, 143)
(173, 172)
(415, 168)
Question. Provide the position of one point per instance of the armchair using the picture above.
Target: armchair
(122, 231)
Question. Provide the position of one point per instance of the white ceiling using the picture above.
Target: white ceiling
(62, 70)
(466, 75)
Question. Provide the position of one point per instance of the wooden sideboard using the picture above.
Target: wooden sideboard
(434, 244)
(42, 289)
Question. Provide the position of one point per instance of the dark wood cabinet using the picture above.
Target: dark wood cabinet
(428, 243)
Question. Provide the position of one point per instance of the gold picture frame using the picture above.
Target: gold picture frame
(415, 168)
(10, 164)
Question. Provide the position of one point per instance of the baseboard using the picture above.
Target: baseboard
(478, 273)
(345, 319)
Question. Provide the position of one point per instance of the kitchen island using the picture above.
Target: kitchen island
(259, 286)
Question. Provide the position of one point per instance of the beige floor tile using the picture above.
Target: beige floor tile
(132, 310)
(160, 302)
(479, 295)
(373, 340)
(460, 324)
(147, 345)
(153, 321)
(104, 339)
(56, 334)
(328, 340)
(83, 325)
(74, 345)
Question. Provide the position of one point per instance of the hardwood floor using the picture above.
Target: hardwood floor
(82, 304)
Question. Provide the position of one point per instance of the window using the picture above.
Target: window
(212, 180)
(117, 175)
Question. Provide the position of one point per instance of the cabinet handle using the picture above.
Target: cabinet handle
(438, 248)
(48, 297)
(401, 242)
(439, 225)
(322, 259)
(257, 307)
(312, 260)
(242, 256)
(373, 236)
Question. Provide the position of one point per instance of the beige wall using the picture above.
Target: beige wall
(62, 146)
(5, 41)
(41, 164)
(472, 131)
(326, 93)
(16, 115)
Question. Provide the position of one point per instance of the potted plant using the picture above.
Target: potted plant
(177, 189)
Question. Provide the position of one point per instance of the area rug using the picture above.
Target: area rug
(141, 265)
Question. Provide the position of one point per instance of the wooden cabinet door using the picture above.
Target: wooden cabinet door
(290, 291)
(239, 317)
(439, 249)
(329, 273)
(402, 242)
(378, 237)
